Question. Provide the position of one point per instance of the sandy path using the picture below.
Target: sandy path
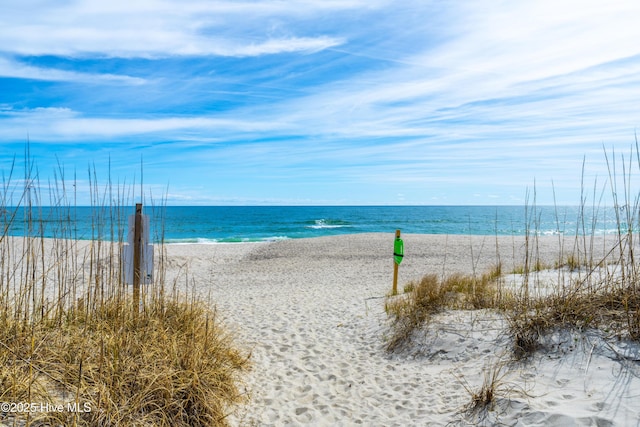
(311, 312)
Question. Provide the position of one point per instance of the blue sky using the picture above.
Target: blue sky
(322, 101)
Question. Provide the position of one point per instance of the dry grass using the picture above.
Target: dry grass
(431, 295)
(610, 301)
(494, 386)
(170, 365)
(614, 310)
(71, 344)
(492, 396)
(603, 293)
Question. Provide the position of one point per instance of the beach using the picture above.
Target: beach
(311, 313)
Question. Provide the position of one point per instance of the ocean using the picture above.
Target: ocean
(231, 224)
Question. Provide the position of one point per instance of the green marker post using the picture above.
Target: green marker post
(398, 255)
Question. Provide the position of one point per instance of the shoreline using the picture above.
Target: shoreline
(275, 239)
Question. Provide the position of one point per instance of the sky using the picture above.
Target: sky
(321, 102)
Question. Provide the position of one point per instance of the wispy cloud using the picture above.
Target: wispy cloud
(161, 28)
(63, 124)
(18, 70)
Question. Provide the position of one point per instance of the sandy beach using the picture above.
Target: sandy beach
(311, 312)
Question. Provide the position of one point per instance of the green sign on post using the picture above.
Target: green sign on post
(398, 250)
(398, 254)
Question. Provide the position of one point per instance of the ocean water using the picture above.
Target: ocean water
(220, 224)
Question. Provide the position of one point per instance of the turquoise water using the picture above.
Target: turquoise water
(212, 224)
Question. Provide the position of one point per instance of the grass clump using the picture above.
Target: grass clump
(484, 397)
(493, 395)
(573, 262)
(411, 310)
(537, 266)
(169, 365)
(431, 295)
(613, 310)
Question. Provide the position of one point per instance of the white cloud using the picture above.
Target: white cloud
(538, 39)
(297, 44)
(16, 69)
(162, 28)
(63, 124)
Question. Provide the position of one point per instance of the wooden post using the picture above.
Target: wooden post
(137, 257)
(395, 269)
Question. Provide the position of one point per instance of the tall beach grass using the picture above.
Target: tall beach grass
(72, 348)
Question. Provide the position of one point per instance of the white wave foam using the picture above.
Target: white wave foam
(324, 224)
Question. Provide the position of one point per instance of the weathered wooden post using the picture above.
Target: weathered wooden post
(137, 257)
(398, 255)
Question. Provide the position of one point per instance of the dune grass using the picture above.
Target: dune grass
(73, 350)
(431, 295)
(592, 292)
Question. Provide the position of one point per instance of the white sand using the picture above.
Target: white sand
(311, 311)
